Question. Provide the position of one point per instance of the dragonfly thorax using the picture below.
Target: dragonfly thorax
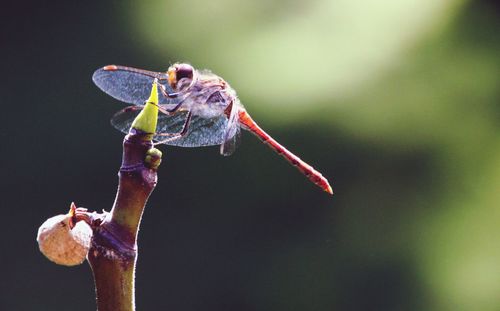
(208, 103)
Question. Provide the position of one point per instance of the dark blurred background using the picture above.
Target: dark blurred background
(396, 102)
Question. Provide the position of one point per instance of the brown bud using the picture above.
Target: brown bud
(62, 243)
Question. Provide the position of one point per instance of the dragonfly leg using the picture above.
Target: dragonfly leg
(169, 112)
(174, 136)
(169, 95)
(166, 93)
(175, 108)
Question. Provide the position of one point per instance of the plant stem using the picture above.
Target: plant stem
(114, 247)
(113, 253)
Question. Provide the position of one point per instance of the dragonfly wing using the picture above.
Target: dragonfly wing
(122, 120)
(230, 145)
(130, 85)
(201, 131)
(232, 136)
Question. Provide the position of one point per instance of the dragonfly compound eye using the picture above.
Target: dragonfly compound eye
(184, 71)
(178, 72)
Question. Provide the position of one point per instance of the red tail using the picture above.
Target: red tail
(312, 174)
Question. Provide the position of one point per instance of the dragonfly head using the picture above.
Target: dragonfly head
(180, 76)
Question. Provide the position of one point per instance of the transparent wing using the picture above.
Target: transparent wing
(232, 143)
(232, 136)
(201, 131)
(130, 85)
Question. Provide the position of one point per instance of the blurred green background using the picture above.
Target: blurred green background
(396, 102)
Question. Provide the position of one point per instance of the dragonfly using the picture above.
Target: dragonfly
(198, 107)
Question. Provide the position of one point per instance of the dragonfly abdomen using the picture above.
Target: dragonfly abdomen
(306, 169)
